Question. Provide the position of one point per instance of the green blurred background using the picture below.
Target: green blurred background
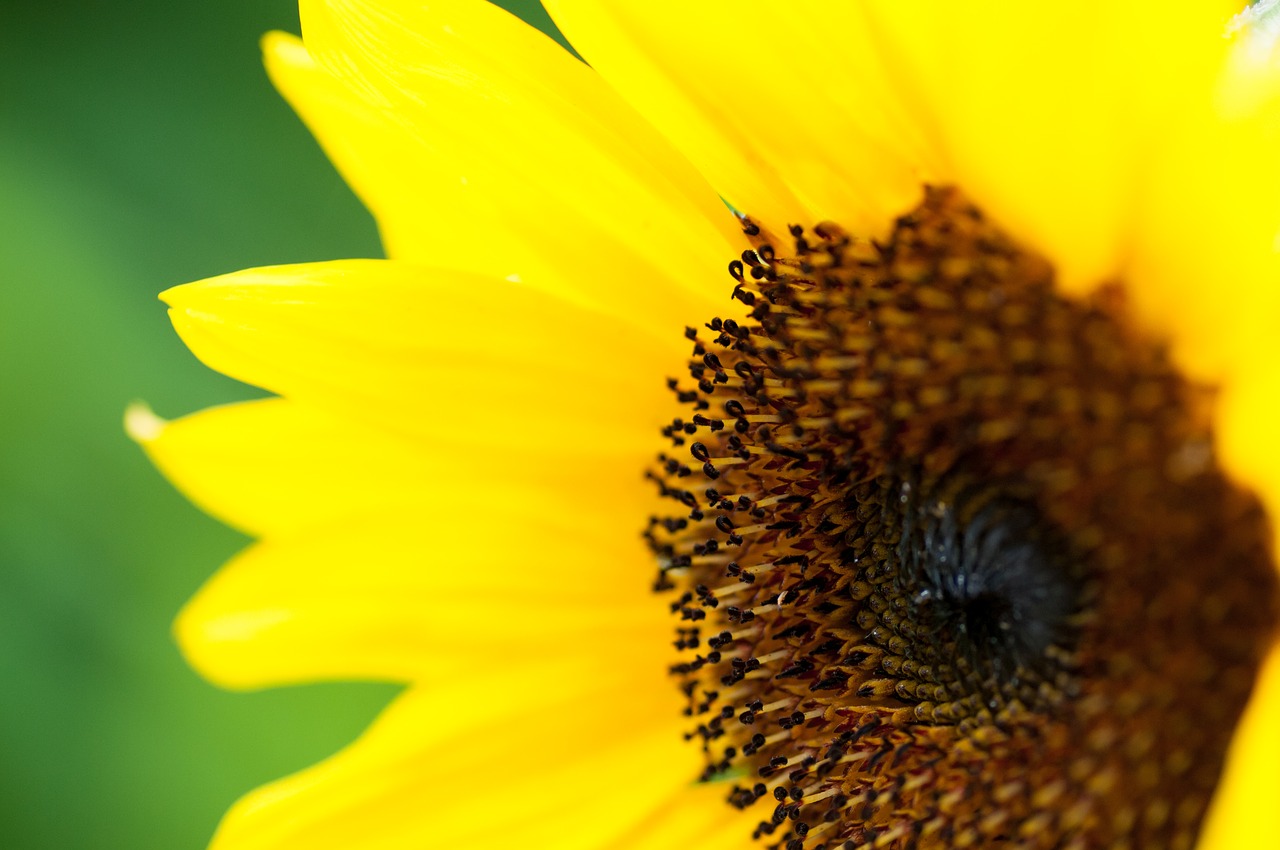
(140, 146)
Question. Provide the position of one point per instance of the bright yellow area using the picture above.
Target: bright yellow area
(429, 353)
(1244, 811)
(453, 579)
(480, 144)
(280, 468)
(1047, 113)
(535, 755)
(695, 817)
(276, 467)
(790, 124)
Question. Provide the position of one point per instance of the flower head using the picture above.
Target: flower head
(960, 521)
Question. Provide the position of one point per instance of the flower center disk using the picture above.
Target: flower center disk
(951, 558)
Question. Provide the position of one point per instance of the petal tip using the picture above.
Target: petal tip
(278, 45)
(171, 295)
(141, 423)
(220, 645)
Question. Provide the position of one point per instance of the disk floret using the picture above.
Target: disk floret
(950, 557)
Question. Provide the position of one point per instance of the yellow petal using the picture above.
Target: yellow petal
(483, 576)
(1244, 810)
(1246, 414)
(697, 816)
(1206, 271)
(547, 757)
(1047, 113)
(428, 352)
(787, 108)
(276, 467)
(480, 144)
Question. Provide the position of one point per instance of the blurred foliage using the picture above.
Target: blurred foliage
(140, 146)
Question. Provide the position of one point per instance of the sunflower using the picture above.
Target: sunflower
(910, 367)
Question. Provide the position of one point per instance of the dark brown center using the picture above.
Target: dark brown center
(952, 558)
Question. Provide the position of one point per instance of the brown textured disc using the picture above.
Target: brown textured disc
(953, 562)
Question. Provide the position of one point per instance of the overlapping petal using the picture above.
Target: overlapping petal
(695, 817)
(1205, 263)
(492, 760)
(480, 144)
(788, 109)
(468, 575)
(276, 467)
(429, 353)
(1047, 115)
